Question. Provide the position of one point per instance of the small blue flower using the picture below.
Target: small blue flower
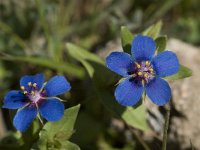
(36, 97)
(143, 72)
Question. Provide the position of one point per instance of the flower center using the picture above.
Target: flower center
(143, 72)
(33, 94)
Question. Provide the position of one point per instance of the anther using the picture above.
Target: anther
(151, 69)
(25, 92)
(29, 83)
(139, 73)
(138, 66)
(32, 92)
(145, 75)
(147, 63)
(22, 88)
(34, 84)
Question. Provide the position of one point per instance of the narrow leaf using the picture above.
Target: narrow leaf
(81, 54)
(65, 67)
(126, 39)
(154, 30)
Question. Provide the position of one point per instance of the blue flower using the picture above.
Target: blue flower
(143, 72)
(36, 97)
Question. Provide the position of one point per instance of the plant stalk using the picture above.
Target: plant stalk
(166, 126)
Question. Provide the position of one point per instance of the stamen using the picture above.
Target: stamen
(138, 65)
(29, 83)
(139, 73)
(145, 75)
(151, 69)
(34, 84)
(32, 92)
(25, 92)
(147, 63)
(22, 87)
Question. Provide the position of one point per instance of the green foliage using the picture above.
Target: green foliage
(154, 30)
(133, 117)
(161, 43)
(56, 134)
(126, 39)
(64, 67)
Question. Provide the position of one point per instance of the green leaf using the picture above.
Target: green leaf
(135, 117)
(161, 43)
(80, 53)
(183, 72)
(69, 146)
(43, 140)
(126, 39)
(65, 67)
(84, 56)
(154, 30)
(64, 128)
(55, 134)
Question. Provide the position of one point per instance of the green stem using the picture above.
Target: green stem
(166, 126)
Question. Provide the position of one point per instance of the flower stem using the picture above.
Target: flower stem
(166, 126)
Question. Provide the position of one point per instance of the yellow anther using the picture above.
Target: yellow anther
(139, 73)
(25, 92)
(32, 92)
(151, 69)
(22, 87)
(138, 66)
(145, 75)
(34, 84)
(29, 83)
(147, 62)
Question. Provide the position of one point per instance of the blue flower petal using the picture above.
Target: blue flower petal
(52, 110)
(38, 79)
(128, 93)
(158, 91)
(24, 117)
(57, 85)
(120, 63)
(14, 100)
(166, 63)
(143, 48)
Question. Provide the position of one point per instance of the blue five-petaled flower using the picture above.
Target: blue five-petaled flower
(36, 97)
(143, 72)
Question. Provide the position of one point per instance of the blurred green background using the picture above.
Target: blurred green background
(33, 35)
